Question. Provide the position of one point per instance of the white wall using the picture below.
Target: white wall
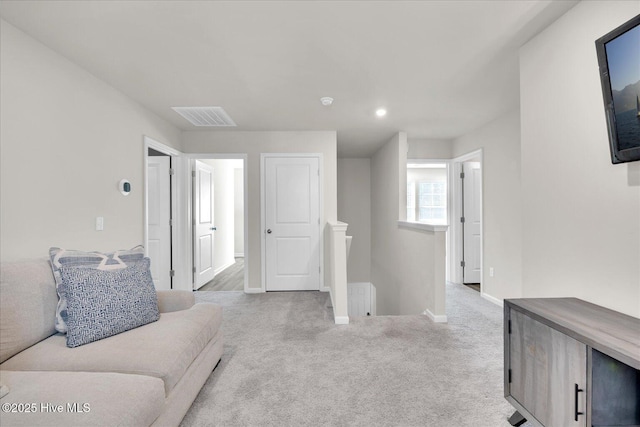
(67, 139)
(254, 143)
(238, 211)
(502, 202)
(223, 212)
(354, 208)
(429, 148)
(581, 214)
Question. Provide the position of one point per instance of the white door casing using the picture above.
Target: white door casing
(203, 225)
(159, 217)
(292, 223)
(472, 226)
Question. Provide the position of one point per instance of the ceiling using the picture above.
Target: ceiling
(441, 68)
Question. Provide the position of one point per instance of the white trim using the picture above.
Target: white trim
(374, 300)
(158, 146)
(338, 320)
(339, 225)
(441, 318)
(321, 230)
(427, 161)
(494, 300)
(191, 157)
(238, 255)
(253, 291)
(422, 226)
(342, 320)
(222, 268)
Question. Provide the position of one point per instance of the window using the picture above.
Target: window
(432, 202)
(427, 193)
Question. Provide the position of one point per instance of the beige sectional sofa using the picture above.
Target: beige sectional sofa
(146, 376)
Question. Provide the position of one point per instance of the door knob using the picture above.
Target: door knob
(214, 228)
(269, 231)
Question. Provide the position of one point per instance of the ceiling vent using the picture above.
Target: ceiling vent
(205, 116)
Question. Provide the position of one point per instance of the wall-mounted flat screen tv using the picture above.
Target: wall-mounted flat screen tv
(619, 61)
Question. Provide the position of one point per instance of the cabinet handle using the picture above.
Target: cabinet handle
(577, 390)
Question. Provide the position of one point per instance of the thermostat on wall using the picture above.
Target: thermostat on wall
(124, 187)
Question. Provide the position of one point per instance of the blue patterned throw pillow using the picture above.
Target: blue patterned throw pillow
(97, 260)
(102, 303)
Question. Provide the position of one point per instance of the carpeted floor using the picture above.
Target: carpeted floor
(286, 364)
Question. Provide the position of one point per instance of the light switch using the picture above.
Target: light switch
(99, 223)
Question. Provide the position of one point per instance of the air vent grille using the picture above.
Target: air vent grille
(205, 116)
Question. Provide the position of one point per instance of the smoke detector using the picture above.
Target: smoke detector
(326, 101)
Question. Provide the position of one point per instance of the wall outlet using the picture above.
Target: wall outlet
(490, 271)
(99, 223)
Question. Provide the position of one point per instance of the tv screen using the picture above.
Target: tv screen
(619, 61)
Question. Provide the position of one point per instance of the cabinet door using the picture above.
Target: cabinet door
(545, 367)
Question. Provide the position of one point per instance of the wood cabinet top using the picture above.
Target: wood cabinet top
(608, 331)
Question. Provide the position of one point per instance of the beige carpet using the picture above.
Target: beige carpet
(286, 364)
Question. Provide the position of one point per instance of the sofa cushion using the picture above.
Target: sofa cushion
(163, 349)
(105, 303)
(175, 300)
(96, 260)
(87, 399)
(27, 305)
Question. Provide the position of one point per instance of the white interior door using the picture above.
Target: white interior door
(292, 223)
(472, 205)
(159, 220)
(203, 224)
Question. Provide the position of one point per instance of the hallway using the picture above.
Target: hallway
(229, 279)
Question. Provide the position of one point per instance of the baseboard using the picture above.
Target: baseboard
(240, 255)
(494, 300)
(339, 320)
(441, 318)
(342, 320)
(253, 291)
(224, 267)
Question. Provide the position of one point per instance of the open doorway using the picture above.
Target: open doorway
(218, 218)
(159, 230)
(160, 191)
(466, 221)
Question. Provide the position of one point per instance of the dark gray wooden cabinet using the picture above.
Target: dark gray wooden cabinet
(571, 363)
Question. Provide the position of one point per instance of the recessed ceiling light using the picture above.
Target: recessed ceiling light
(326, 101)
(381, 112)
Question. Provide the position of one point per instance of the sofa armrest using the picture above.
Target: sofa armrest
(175, 300)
